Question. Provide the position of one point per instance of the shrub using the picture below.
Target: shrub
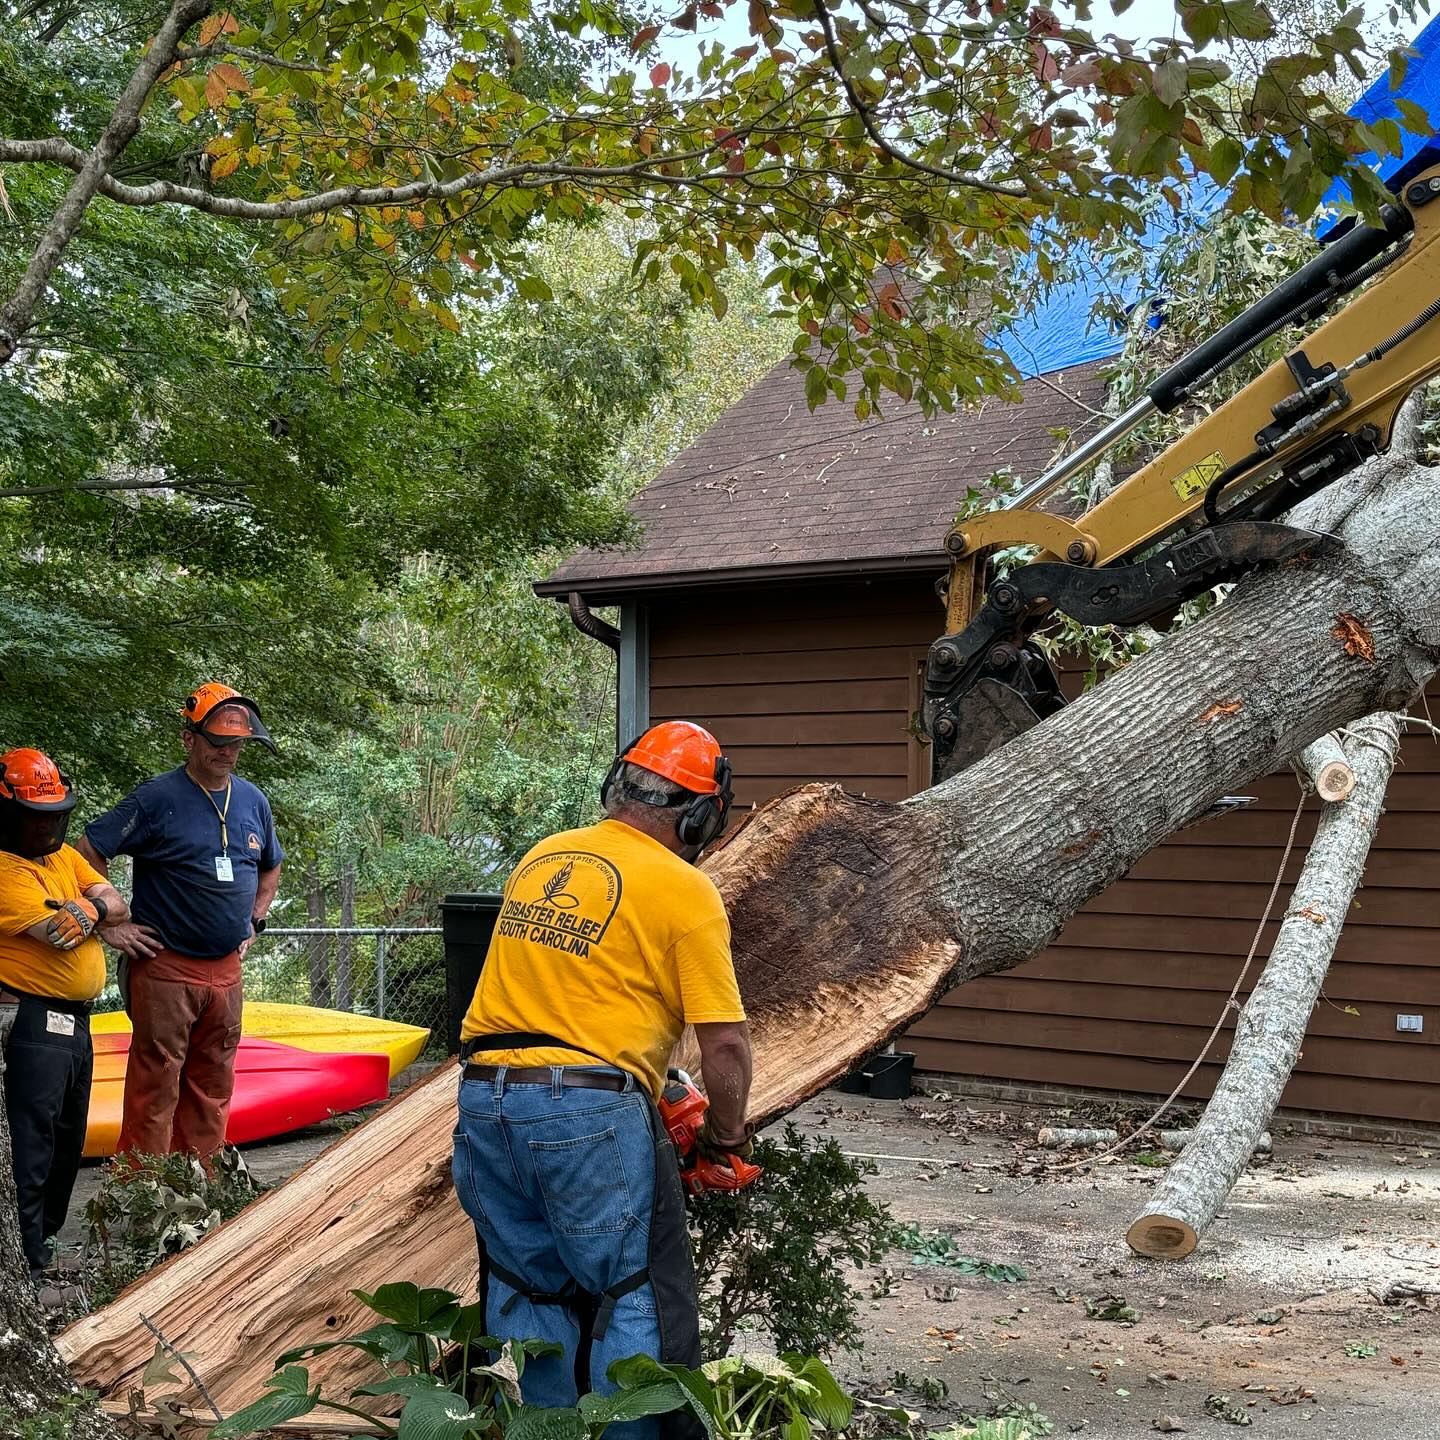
(771, 1258)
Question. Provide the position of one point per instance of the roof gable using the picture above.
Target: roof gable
(773, 487)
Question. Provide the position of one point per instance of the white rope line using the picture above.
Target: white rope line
(1230, 1004)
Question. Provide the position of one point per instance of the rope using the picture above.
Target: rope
(1230, 1004)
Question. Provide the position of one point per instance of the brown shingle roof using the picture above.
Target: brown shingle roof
(772, 486)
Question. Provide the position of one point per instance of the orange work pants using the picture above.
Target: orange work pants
(185, 1019)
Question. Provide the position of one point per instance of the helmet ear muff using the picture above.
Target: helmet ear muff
(613, 773)
(705, 816)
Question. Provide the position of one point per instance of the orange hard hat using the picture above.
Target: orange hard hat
(224, 715)
(681, 751)
(32, 779)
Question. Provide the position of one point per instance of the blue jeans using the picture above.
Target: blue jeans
(560, 1183)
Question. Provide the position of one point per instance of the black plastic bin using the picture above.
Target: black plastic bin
(882, 1077)
(467, 923)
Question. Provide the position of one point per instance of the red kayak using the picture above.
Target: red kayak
(278, 1088)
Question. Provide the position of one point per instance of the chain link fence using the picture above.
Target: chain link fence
(391, 973)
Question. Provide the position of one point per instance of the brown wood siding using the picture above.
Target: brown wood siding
(821, 682)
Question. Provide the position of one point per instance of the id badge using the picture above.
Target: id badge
(223, 869)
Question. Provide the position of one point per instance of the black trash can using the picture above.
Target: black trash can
(466, 923)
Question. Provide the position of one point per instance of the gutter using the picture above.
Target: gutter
(591, 625)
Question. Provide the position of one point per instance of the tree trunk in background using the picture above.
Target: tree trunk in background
(345, 944)
(33, 1378)
(317, 947)
(851, 917)
(1272, 1026)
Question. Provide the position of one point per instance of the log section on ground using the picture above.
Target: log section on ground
(1271, 1027)
(852, 917)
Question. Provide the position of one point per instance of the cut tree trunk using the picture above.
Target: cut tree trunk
(851, 917)
(1272, 1025)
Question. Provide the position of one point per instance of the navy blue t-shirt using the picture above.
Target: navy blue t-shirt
(169, 825)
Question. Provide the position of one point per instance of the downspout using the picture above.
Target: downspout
(592, 625)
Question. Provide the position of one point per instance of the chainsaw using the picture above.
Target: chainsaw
(682, 1109)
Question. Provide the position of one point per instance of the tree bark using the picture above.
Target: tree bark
(92, 173)
(1272, 1025)
(852, 916)
(317, 947)
(33, 1378)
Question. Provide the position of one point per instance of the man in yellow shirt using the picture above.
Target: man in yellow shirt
(51, 970)
(608, 943)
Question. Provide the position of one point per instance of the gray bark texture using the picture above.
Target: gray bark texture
(33, 1379)
(852, 917)
(1271, 1027)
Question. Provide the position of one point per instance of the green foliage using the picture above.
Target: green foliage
(772, 1258)
(400, 161)
(148, 1207)
(56, 1423)
(434, 1356)
(1029, 1424)
(931, 1247)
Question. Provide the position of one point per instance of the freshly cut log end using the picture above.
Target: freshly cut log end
(1165, 1237)
(1335, 782)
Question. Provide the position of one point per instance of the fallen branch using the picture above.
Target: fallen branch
(1329, 770)
(1272, 1026)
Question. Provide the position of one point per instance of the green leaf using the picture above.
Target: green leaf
(832, 1406)
(1225, 157)
(289, 1397)
(1415, 117)
(384, 1342)
(1248, 20)
(532, 287)
(535, 1422)
(439, 1415)
(406, 1385)
(631, 1404)
(815, 386)
(1171, 81)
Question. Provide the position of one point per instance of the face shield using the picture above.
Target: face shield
(33, 831)
(235, 721)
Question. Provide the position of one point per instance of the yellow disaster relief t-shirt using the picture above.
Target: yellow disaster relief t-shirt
(611, 941)
(34, 966)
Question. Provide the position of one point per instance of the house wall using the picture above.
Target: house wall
(821, 682)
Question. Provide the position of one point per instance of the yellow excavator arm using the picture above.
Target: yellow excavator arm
(1203, 510)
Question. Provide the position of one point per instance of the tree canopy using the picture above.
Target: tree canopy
(890, 162)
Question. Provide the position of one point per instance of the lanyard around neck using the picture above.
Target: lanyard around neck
(224, 828)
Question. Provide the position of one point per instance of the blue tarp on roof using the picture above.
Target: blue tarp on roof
(1421, 87)
(1061, 331)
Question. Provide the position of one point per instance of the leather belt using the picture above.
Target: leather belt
(570, 1077)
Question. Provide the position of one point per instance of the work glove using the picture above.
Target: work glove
(74, 921)
(711, 1148)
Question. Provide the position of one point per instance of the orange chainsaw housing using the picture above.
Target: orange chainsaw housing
(682, 1109)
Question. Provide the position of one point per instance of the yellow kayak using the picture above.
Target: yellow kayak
(333, 1032)
(281, 1083)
